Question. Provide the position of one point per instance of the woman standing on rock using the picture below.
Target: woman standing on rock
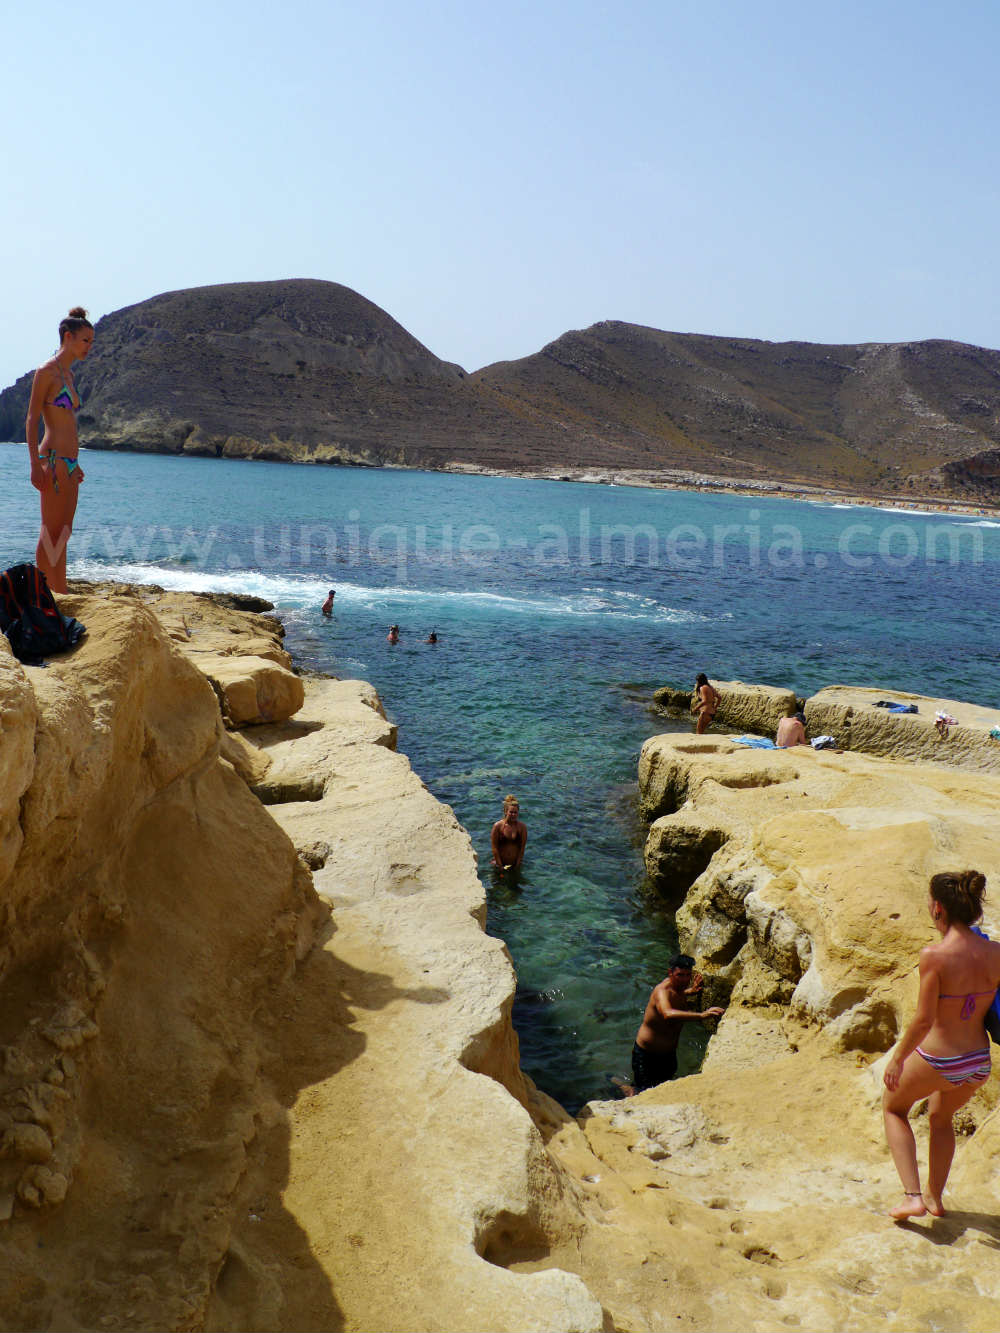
(706, 701)
(55, 469)
(958, 980)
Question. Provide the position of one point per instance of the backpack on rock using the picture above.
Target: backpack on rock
(30, 618)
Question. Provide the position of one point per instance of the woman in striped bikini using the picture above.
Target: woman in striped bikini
(944, 1054)
(55, 467)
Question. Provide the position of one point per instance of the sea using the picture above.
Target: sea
(559, 608)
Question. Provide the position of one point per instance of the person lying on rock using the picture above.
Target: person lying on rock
(944, 1054)
(791, 730)
(671, 1005)
(705, 704)
(509, 837)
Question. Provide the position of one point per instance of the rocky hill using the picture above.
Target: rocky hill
(899, 416)
(271, 368)
(295, 371)
(311, 371)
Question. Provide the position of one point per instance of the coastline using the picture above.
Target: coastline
(677, 479)
(663, 479)
(351, 1112)
(290, 1032)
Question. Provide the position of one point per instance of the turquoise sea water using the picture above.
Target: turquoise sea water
(559, 608)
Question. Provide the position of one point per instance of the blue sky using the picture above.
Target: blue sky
(492, 175)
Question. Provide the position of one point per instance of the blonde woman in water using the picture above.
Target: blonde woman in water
(55, 467)
(509, 836)
(944, 1054)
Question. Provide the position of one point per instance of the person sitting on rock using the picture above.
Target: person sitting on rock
(509, 837)
(791, 730)
(670, 1006)
(958, 981)
(705, 704)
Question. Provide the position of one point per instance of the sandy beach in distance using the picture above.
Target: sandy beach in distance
(677, 479)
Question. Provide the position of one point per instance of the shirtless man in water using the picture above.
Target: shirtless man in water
(705, 704)
(509, 836)
(654, 1055)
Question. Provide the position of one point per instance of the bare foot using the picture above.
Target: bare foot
(912, 1206)
(934, 1206)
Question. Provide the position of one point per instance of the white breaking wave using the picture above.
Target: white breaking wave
(294, 593)
(248, 582)
(912, 513)
(891, 509)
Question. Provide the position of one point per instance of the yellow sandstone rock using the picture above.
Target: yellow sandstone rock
(753, 708)
(235, 1095)
(18, 717)
(208, 1118)
(253, 689)
(761, 1184)
(812, 866)
(848, 714)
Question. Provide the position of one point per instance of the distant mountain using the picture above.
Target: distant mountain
(268, 369)
(920, 415)
(311, 371)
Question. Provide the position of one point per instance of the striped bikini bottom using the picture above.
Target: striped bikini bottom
(973, 1067)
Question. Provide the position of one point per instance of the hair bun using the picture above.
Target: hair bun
(973, 882)
(78, 312)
